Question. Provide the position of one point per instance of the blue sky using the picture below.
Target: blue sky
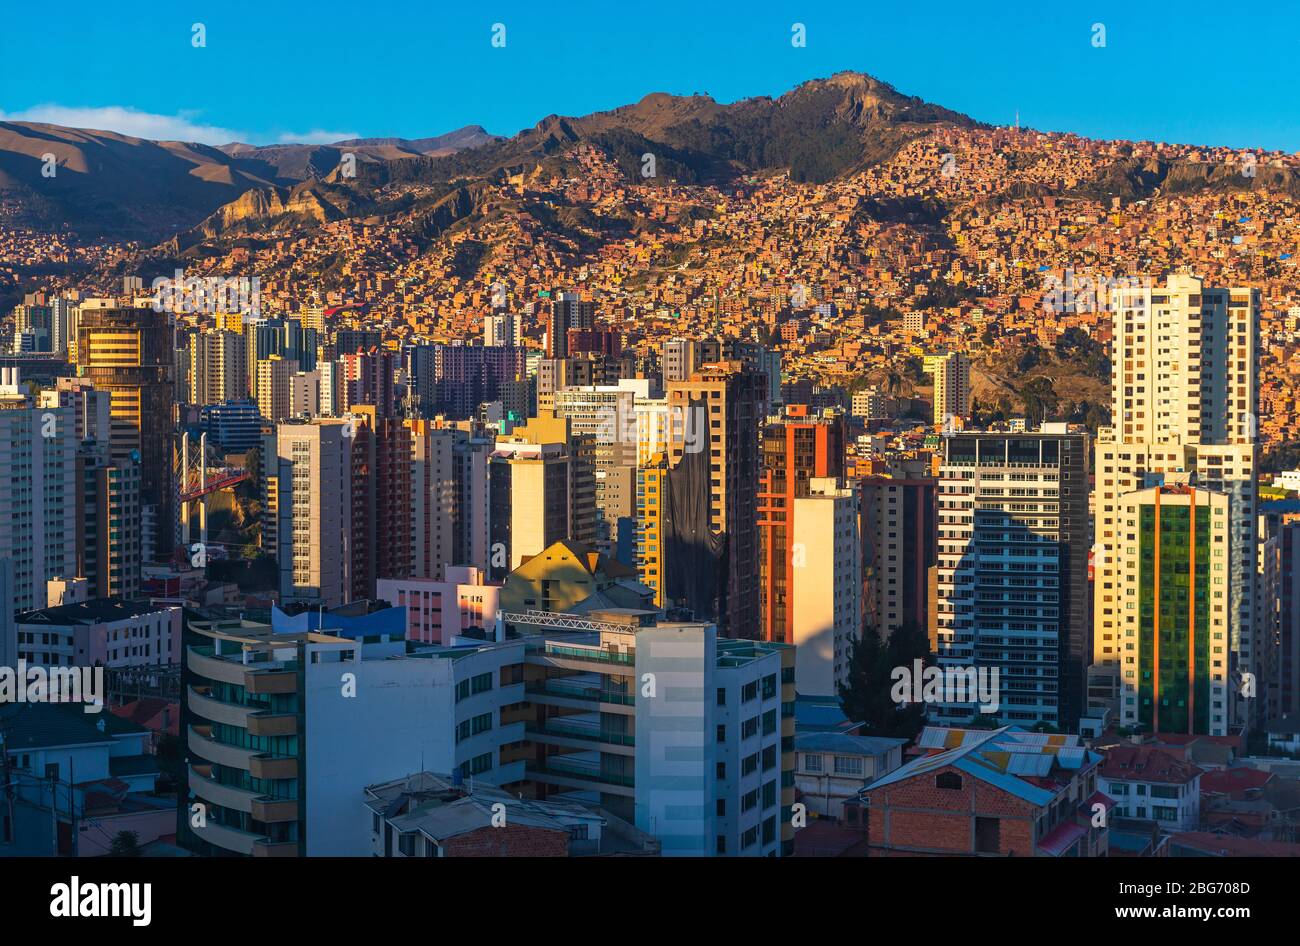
(1198, 72)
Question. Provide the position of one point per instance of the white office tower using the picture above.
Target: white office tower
(38, 453)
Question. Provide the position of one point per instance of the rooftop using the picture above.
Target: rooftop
(96, 611)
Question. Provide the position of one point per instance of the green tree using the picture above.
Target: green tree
(125, 844)
(867, 696)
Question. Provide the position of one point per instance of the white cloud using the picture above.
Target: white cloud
(180, 127)
(128, 121)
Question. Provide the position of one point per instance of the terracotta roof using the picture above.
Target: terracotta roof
(1234, 782)
(1145, 764)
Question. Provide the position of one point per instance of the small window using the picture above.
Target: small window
(949, 780)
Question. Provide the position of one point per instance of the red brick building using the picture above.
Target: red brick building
(988, 793)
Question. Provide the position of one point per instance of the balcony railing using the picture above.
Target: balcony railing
(576, 770)
(595, 654)
(575, 691)
(575, 731)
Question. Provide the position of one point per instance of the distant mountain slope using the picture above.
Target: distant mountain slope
(817, 131)
(291, 163)
(107, 183)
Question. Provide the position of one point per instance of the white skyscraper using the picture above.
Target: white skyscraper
(1184, 401)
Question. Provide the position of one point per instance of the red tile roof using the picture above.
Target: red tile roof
(1233, 782)
(1145, 764)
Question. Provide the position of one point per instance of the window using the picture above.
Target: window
(480, 764)
(848, 765)
(948, 780)
(481, 683)
(722, 696)
(812, 763)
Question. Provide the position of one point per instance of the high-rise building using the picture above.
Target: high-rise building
(217, 371)
(129, 352)
(38, 526)
(824, 585)
(314, 501)
(717, 414)
(899, 531)
(381, 537)
(1183, 402)
(273, 387)
(541, 483)
(608, 415)
(501, 328)
(107, 494)
(679, 359)
(1171, 564)
(797, 448)
(705, 764)
(566, 311)
(952, 387)
(449, 499)
(1012, 577)
(455, 379)
(1280, 620)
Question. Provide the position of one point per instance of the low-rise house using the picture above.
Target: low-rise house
(428, 815)
(988, 793)
(1151, 783)
(90, 775)
(833, 767)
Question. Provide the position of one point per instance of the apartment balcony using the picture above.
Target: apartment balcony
(267, 766)
(271, 681)
(574, 735)
(258, 764)
(219, 712)
(201, 742)
(215, 668)
(586, 697)
(260, 807)
(585, 776)
(255, 677)
(583, 658)
(272, 724)
(229, 839)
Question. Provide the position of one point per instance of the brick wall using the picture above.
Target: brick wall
(915, 814)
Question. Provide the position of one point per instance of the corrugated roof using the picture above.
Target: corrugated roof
(845, 744)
